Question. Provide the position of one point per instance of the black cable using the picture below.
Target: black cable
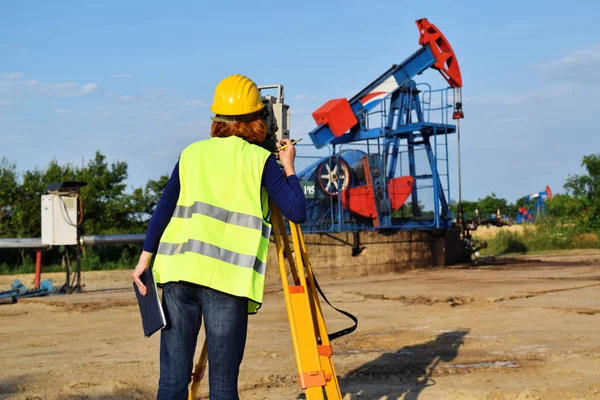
(335, 335)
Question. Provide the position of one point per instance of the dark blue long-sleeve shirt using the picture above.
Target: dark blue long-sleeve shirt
(286, 194)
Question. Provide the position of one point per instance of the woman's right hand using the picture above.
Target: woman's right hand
(287, 156)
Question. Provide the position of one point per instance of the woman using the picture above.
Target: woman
(210, 234)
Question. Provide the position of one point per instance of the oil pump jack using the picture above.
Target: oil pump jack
(388, 164)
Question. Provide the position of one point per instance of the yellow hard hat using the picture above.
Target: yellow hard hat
(236, 95)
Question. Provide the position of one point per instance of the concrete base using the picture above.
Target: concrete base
(331, 255)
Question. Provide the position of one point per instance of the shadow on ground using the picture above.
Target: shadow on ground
(12, 386)
(406, 372)
(515, 246)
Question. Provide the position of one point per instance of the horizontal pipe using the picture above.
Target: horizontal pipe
(93, 240)
(97, 240)
(22, 243)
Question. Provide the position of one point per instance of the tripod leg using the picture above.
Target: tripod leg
(307, 325)
(198, 373)
(310, 375)
(332, 388)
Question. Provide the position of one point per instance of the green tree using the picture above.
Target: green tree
(586, 188)
(108, 206)
(8, 196)
(565, 209)
(105, 201)
(144, 201)
(467, 206)
(490, 204)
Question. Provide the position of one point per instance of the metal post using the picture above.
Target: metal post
(412, 168)
(437, 190)
(38, 268)
(65, 289)
(78, 270)
(459, 177)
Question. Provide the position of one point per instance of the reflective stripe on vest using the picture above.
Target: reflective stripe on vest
(218, 235)
(224, 215)
(209, 250)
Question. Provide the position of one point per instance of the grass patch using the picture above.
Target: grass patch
(90, 261)
(539, 238)
(30, 268)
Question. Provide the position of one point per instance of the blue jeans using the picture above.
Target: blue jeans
(226, 323)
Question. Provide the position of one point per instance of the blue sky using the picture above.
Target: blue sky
(134, 79)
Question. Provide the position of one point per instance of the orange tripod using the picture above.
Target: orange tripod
(311, 342)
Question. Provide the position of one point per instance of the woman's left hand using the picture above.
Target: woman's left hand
(141, 266)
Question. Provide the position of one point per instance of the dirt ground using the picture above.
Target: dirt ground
(516, 330)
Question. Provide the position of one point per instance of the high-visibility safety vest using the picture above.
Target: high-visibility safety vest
(219, 233)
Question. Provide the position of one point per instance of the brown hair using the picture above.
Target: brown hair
(254, 131)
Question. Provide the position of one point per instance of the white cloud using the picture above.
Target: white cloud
(159, 115)
(581, 66)
(158, 94)
(304, 97)
(5, 103)
(196, 103)
(89, 87)
(121, 76)
(500, 100)
(548, 92)
(360, 3)
(10, 139)
(126, 98)
(298, 111)
(192, 129)
(578, 66)
(577, 57)
(61, 111)
(163, 153)
(511, 119)
(12, 75)
(545, 164)
(14, 85)
(187, 124)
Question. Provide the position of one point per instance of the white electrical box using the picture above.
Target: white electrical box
(59, 220)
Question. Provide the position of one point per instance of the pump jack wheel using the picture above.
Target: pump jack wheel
(333, 176)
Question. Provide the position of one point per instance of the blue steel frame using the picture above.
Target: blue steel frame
(405, 122)
(421, 60)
